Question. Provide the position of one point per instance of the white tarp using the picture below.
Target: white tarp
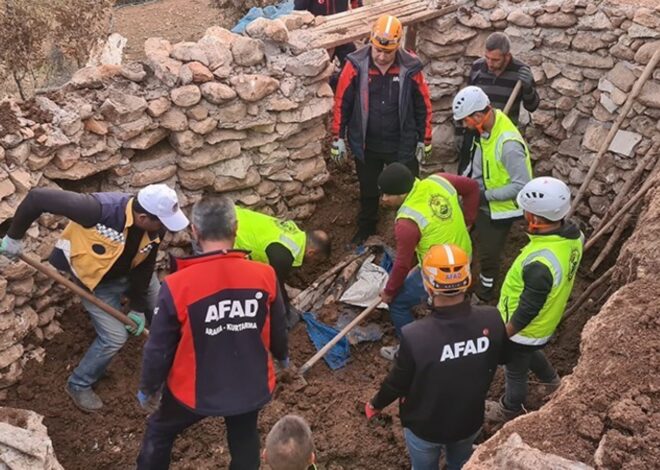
(370, 281)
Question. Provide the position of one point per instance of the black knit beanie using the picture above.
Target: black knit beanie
(396, 179)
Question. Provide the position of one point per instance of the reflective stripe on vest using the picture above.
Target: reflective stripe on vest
(433, 205)
(562, 257)
(494, 173)
(520, 339)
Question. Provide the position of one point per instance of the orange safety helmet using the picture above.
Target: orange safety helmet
(386, 33)
(446, 270)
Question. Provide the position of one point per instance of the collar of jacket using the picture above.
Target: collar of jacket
(406, 60)
(177, 264)
(452, 311)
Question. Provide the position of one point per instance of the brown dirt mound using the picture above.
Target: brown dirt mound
(607, 413)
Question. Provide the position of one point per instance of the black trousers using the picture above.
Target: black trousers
(491, 238)
(465, 152)
(171, 419)
(367, 173)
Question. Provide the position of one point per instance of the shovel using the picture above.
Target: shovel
(323, 351)
(512, 98)
(57, 277)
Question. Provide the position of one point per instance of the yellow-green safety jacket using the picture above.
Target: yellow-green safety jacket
(256, 231)
(433, 205)
(562, 257)
(494, 173)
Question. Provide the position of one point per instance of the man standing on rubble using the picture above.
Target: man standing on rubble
(501, 165)
(383, 108)
(536, 290)
(281, 244)
(219, 324)
(497, 74)
(445, 366)
(110, 247)
(429, 213)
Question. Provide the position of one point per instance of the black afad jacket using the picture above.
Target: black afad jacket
(444, 368)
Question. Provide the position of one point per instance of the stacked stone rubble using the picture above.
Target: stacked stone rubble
(227, 114)
(585, 56)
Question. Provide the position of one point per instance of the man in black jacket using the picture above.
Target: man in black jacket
(383, 109)
(445, 365)
(497, 74)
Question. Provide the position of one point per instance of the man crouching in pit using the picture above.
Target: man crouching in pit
(220, 321)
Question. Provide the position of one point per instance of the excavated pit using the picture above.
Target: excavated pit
(605, 414)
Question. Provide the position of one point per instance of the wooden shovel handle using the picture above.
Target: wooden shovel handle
(512, 98)
(322, 352)
(57, 277)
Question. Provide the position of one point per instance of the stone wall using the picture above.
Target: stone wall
(585, 55)
(227, 114)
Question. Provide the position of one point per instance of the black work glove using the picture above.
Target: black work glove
(527, 78)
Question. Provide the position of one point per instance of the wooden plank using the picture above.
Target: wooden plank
(332, 21)
(369, 10)
(332, 40)
(359, 22)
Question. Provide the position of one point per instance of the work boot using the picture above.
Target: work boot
(389, 352)
(85, 399)
(497, 413)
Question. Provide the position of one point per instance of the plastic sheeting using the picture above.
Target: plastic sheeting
(370, 281)
(321, 334)
(271, 12)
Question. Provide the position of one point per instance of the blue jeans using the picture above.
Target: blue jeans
(425, 455)
(412, 293)
(111, 333)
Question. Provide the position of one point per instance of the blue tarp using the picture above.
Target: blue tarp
(321, 334)
(271, 12)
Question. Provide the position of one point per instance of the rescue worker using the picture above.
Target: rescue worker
(281, 244)
(383, 108)
(219, 324)
(110, 247)
(429, 213)
(290, 445)
(501, 165)
(536, 290)
(330, 7)
(497, 74)
(445, 366)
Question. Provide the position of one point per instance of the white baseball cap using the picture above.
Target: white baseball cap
(161, 201)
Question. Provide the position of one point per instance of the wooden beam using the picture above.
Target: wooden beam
(332, 40)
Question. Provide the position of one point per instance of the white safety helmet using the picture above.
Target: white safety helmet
(469, 100)
(546, 197)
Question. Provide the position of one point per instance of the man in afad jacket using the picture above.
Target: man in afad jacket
(536, 290)
(110, 246)
(444, 367)
(501, 165)
(383, 108)
(429, 212)
(281, 244)
(219, 325)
